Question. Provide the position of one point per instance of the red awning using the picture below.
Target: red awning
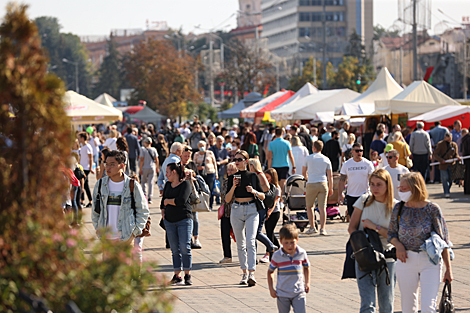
(134, 109)
(274, 104)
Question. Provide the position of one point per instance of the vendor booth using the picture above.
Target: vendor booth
(147, 115)
(447, 115)
(234, 112)
(258, 109)
(83, 110)
(105, 99)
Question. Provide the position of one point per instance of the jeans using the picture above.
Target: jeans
(210, 179)
(86, 186)
(259, 235)
(418, 270)
(421, 163)
(195, 225)
(244, 220)
(298, 304)
(225, 228)
(367, 286)
(148, 179)
(179, 236)
(270, 225)
(76, 191)
(446, 179)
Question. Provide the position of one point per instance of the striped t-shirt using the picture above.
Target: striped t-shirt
(290, 280)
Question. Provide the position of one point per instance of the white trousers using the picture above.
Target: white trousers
(418, 270)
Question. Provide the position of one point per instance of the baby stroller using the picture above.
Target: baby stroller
(332, 206)
(294, 200)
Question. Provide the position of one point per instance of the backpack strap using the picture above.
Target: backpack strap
(98, 199)
(400, 208)
(131, 187)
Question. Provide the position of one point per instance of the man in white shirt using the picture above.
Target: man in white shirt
(355, 172)
(86, 161)
(95, 145)
(395, 170)
(343, 134)
(317, 172)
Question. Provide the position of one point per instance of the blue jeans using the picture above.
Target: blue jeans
(195, 225)
(262, 237)
(244, 220)
(179, 236)
(210, 179)
(446, 180)
(369, 283)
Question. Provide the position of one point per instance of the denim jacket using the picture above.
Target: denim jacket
(128, 224)
(434, 246)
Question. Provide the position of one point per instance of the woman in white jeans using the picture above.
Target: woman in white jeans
(244, 215)
(419, 217)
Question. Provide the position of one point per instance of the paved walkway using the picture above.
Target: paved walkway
(216, 286)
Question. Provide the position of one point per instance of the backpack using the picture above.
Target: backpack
(368, 252)
(348, 153)
(270, 197)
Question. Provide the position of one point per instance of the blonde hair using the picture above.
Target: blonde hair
(113, 133)
(397, 136)
(351, 138)
(417, 186)
(387, 179)
(256, 165)
(230, 165)
(296, 141)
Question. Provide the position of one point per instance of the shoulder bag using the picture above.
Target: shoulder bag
(202, 205)
(98, 199)
(447, 304)
(146, 230)
(258, 202)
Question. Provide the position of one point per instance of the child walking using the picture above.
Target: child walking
(293, 268)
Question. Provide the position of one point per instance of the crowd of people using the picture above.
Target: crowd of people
(245, 166)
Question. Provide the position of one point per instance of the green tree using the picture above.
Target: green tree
(380, 32)
(110, 73)
(296, 82)
(39, 254)
(61, 46)
(350, 71)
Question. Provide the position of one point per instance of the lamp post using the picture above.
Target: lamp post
(221, 64)
(76, 73)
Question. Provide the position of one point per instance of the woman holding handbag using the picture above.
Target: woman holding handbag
(244, 215)
(207, 167)
(373, 211)
(178, 220)
(410, 228)
(225, 226)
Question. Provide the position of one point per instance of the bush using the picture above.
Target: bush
(39, 253)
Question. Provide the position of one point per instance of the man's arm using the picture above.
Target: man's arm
(270, 158)
(291, 157)
(329, 176)
(412, 142)
(304, 172)
(342, 182)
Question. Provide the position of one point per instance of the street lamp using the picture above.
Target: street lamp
(76, 73)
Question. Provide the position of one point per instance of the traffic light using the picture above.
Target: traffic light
(358, 81)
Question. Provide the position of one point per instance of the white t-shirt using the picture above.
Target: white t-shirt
(111, 143)
(277, 207)
(84, 159)
(113, 206)
(384, 162)
(358, 175)
(316, 165)
(95, 144)
(299, 153)
(396, 174)
(377, 214)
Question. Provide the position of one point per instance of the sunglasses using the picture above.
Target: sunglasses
(187, 149)
(239, 160)
(359, 150)
(390, 157)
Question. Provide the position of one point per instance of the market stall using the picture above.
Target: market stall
(447, 115)
(258, 109)
(83, 110)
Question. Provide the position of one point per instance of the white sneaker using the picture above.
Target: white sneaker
(251, 279)
(265, 259)
(197, 244)
(244, 280)
(447, 195)
(311, 231)
(225, 260)
(323, 232)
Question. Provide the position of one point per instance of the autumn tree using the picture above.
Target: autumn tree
(296, 82)
(162, 77)
(248, 68)
(110, 72)
(353, 75)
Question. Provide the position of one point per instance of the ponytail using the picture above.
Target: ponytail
(179, 168)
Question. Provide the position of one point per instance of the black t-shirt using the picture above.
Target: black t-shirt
(182, 209)
(246, 180)
(191, 166)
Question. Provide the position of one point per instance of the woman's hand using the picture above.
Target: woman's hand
(368, 224)
(448, 275)
(163, 213)
(200, 168)
(250, 189)
(401, 252)
(166, 202)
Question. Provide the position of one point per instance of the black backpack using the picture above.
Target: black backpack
(270, 196)
(368, 252)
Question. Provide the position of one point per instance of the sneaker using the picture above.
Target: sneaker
(323, 232)
(176, 280)
(251, 279)
(447, 195)
(88, 205)
(150, 201)
(311, 230)
(244, 280)
(265, 259)
(196, 244)
(225, 260)
(187, 280)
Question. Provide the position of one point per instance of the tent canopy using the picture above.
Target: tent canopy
(83, 110)
(417, 98)
(234, 112)
(358, 109)
(105, 99)
(307, 107)
(447, 115)
(147, 115)
(266, 104)
(383, 88)
(306, 90)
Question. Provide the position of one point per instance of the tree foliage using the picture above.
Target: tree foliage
(39, 253)
(162, 77)
(350, 71)
(296, 82)
(248, 69)
(380, 32)
(110, 73)
(61, 46)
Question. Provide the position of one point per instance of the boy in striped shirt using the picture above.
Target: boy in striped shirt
(293, 268)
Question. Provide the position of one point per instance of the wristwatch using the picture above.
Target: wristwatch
(377, 227)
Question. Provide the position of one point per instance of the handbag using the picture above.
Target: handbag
(203, 172)
(221, 211)
(203, 203)
(259, 203)
(146, 230)
(349, 267)
(409, 163)
(447, 304)
(458, 171)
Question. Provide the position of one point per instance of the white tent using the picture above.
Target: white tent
(383, 88)
(417, 98)
(442, 113)
(83, 110)
(307, 89)
(105, 99)
(250, 111)
(306, 108)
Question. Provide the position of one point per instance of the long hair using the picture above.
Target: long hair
(250, 138)
(161, 140)
(387, 179)
(121, 144)
(417, 186)
(274, 177)
(179, 168)
(256, 165)
(244, 154)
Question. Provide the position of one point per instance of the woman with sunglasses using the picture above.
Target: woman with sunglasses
(418, 221)
(244, 186)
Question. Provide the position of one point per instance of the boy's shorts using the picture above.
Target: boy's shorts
(298, 303)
